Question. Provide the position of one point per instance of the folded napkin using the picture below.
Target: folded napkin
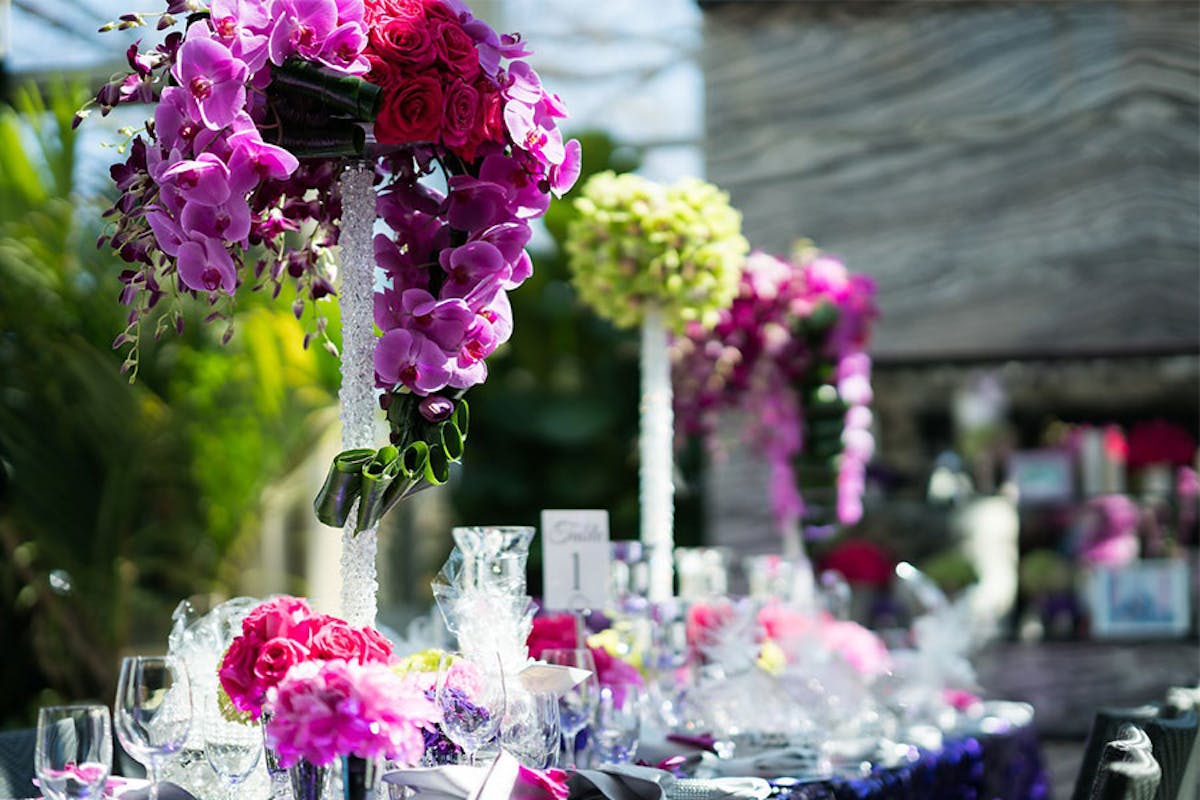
(166, 791)
(453, 782)
(119, 786)
(786, 762)
(619, 782)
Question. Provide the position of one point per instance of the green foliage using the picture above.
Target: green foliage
(124, 498)
(636, 244)
(555, 426)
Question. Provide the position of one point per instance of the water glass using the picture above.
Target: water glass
(618, 723)
(531, 729)
(576, 706)
(73, 755)
(469, 719)
(232, 745)
(153, 710)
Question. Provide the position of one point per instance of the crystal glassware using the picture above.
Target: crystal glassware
(531, 729)
(73, 756)
(618, 723)
(470, 719)
(232, 745)
(576, 706)
(153, 710)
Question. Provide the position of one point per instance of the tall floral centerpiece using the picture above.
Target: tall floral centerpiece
(282, 130)
(662, 258)
(790, 352)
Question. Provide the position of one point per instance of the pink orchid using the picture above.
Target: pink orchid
(213, 80)
(206, 266)
(406, 358)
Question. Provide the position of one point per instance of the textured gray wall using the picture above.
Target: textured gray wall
(1019, 177)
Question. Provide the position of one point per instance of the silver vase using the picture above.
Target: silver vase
(360, 777)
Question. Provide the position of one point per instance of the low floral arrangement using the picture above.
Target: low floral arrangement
(282, 633)
(790, 352)
(553, 631)
(257, 105)
(463, 681)
(323, 710)
(637, 244)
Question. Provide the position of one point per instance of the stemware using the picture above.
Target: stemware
(73, 755)
(153, 710)
(576, 706)
(531, 729)
(618, 723)
(232, 746)
(471, 715)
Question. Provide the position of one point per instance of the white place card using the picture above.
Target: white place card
(541, 677)
(575, 560)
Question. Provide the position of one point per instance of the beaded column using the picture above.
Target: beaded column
(357, 395)
(655, 435)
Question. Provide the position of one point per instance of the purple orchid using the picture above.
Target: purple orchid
(534, 131)
(206, 266)
(228, 222)
(476, 203)
(203, 180)
(409, 359)
(300, 27)
(563, 176)
(213, 80)
(526, 198)
(254, 161)
(469, 266)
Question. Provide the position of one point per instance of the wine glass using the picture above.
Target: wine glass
(153, 710)
(576, 706)
(531, 730)
(618, 723)
(73, 756)
(231, 745)
(472, 705)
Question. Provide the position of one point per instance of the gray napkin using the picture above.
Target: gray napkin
(786, 762)
(619, 782)
(719, 789)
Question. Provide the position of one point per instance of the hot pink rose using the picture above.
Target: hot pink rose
(237, 675)
(336, 639)
(274, 660)
(376, 648)
(275, 617)
(404, 41)
(533, 784)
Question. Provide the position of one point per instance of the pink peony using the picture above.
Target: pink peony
(324, 710)
(861, 648)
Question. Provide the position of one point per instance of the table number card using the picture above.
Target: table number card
(575, 559)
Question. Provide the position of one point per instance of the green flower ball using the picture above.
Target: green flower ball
(636, 244)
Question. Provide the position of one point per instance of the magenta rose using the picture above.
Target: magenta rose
(337, 640)
(460, 114)
(274, 660)
(412, 112)
(377, 648)
(404, 41)
(553, 631)
(237, 675)
(275, 617)
(456, 49)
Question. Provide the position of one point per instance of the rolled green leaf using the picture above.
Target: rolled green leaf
(437, 468)
(413, 460)
(452, 440)
(342, 486)
(377, 479)
(461, 418)
(336, 139)
(342, 94)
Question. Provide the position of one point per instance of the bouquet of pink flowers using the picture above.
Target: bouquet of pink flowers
(282, 633)
(324, 710)
(558, 631)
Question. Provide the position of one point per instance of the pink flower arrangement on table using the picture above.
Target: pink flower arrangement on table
(790, 352)
(553, 631)
(280, 634)
(859, 647)
(323, 710)
(233, 184)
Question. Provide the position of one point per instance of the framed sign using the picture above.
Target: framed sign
(575, 560)
(1144, 598)
(1042, 476)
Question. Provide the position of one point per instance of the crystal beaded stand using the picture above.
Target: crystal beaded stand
(357, 396)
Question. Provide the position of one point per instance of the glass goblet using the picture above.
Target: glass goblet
(618, 723)
(73, 755)
(530, 730)
(232, 746)
(153, 710)
(471, 718)
(577, 705)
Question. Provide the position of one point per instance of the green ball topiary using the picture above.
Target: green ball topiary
(637, 244)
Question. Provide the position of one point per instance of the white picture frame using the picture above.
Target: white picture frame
(1147, 598)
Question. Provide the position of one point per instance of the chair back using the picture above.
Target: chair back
(16, 762)
(1174, 742)
(1127, 768)
(1106, 726)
